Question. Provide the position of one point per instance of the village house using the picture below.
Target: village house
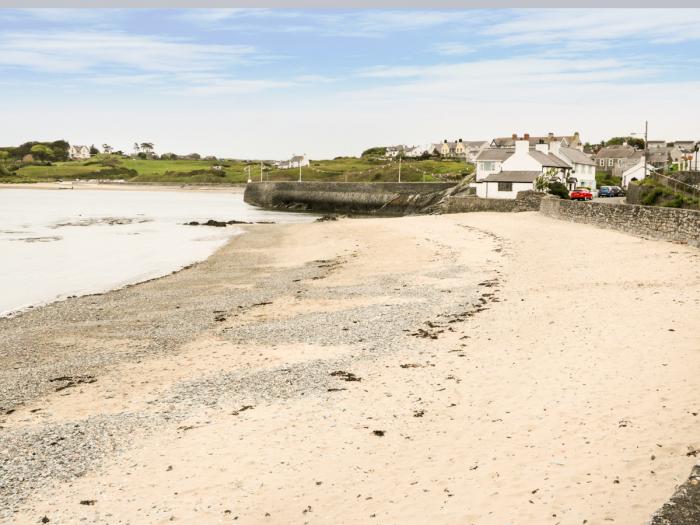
(296, 161)
(394, 151)
(490, 161)
(617, 159)
(520, 170)
(635, 173)
(418, 151)
(686, 146)
(79, 152)
(583, 166)
(566, 141)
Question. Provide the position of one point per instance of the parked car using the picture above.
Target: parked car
(618, 192)
(580, 194)
(605, 191)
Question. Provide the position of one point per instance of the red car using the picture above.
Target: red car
(581, 194)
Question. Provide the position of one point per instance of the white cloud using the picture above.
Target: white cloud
(559, 27)
(72, 51)
(453, 49)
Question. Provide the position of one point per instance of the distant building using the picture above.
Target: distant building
(566, 141)
(635, 173)
(79, 152)
(295, 162)
(617, 159)
(583, 165)
(395, 151)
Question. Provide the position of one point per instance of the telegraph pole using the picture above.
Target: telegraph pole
(261, 171)
(299, 171)
(646, 146)
(399, 169)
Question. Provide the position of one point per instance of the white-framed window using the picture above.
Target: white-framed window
(505, 186)
(602, 162)
(611, 162)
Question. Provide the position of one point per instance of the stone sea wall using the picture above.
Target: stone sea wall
(525, 201)
(362, 198)
(671, 224)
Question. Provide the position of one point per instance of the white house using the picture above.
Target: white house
(295, 162)
(79, 152)
(394, 151)
(418, 151)
(636, 172)
(583, 165)
(489, 161)
(519, 171)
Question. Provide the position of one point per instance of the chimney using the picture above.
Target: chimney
(522, 147)
(542, 147)
(460, 140)
(550, 135)
(554, 147)
(526, 136)
(515, 136)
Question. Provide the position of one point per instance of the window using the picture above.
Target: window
(505, 186)
(602, 162)
(611, 162)
(487, 165)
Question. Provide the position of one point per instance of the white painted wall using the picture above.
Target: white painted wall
(521, 159)
(482, 172)
(489, 190)
(635, 172)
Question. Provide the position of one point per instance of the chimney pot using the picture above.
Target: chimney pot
(515, 136)
(526, 136)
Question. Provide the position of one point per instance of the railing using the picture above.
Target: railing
(677, 184)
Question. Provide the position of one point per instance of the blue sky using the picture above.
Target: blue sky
(267, 83)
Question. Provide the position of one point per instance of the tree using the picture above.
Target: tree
(107, 148)
(147, 147)
(41, 152)
(632, 141)
(137, 148)
(94, 150)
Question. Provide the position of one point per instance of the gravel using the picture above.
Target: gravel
(84, 338)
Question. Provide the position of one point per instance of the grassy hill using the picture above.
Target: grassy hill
(349, 169)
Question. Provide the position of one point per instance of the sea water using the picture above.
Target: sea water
(59, 243)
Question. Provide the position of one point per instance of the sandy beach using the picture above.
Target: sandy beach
(475, 368)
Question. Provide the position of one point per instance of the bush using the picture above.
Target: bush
(557, 188)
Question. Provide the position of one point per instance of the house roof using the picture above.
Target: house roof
(574, 155)
(494, 154)
(475, 143)
(513, 176)
(509, 142)
(549, 160)
(617, 152)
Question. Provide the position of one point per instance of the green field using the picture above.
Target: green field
(349, 169)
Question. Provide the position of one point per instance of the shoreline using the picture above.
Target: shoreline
(384, 346)
(11, 314)
(126, 186)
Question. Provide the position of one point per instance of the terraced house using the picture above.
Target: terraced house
(518, 169)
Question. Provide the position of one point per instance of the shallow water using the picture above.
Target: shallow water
(58, 243)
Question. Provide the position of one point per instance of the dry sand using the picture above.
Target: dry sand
(567, 394)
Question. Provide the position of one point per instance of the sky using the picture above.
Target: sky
(270, 83)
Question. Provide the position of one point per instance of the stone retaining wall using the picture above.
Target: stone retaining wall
(525, 201)
(671, 224)
(364, 198)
